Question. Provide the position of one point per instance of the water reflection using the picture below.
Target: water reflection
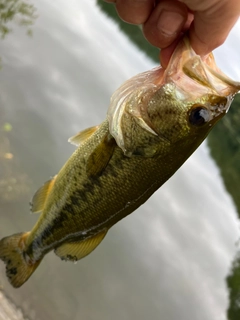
(19, 12)
(169, 260)
(233, 282)
(14, 184)
(224, 143)
(133, 32)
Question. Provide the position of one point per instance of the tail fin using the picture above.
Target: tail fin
(18, 270)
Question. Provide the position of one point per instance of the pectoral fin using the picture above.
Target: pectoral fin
(81, 136)
(40, 197)
(74, 251)
(100, 157)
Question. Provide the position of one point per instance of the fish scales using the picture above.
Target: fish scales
(101, 192)
(155, 121)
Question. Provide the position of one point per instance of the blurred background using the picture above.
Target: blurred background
(177, 256)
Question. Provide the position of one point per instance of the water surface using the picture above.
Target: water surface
(170, 258)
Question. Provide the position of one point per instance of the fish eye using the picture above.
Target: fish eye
(199, 115)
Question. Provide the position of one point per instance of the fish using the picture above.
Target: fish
(155, 121)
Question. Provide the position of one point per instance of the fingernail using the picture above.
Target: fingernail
(169, 23)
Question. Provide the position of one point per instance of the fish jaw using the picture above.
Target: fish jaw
(187, 81)
(196, 76)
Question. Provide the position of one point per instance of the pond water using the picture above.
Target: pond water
(169, 259)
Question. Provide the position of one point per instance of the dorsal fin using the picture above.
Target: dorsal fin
(41, 195)
(81, 136)
(100, 156)
(77, 250)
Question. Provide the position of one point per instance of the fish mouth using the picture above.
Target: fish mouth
(188, 78)
(186, 67)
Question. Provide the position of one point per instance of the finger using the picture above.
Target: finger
(166, 53)
(134, 11)
(212, 25)
(165, 23)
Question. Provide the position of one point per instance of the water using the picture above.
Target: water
(170, 258)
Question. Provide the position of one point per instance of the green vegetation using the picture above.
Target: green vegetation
(17, 11)
(233, 282)
(224, 140)
(224, 144)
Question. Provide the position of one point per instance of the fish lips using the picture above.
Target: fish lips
(195, 74)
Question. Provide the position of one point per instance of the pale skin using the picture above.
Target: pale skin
(208, 22)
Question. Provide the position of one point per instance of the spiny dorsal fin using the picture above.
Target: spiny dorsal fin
(41, 195)
(77, 250)
(81, 136)
(100, 157)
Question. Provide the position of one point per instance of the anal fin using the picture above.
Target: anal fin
(77, 250)
(41, 195)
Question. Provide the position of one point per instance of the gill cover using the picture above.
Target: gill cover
(188, 75)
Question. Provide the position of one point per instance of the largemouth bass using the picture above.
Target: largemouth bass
(154, 123)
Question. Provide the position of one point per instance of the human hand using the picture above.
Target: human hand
(165, 21)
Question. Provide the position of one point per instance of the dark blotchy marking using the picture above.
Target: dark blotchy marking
(69, 258)
(90, 185)
(112, 170)
(81, 195)
(12, 271)
(69, 207)
(87, 189)
(78, 195)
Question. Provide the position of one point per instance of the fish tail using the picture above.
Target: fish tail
(18, 270)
